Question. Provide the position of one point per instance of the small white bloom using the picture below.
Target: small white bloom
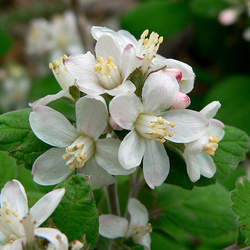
(108, 72)
(151, 124)
(77, 148)
(18, 224)
(146, 54)
(197, 153)
(112, 226)
(228, 16)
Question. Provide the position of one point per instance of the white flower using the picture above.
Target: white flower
(18, 224)
(76, 148)
(112, 226)
(109, 72)
(197, 153)
(151, 124)
(228, 16)
(64, 79)
(146, 53)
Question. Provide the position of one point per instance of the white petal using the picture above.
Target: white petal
(144, 241)
(50, 168)
(159, 91)
(82, 68)
(211, 109)
(127, 38)
(216, 128)
(51, 126)
(155, 163)
(107, 156)
(98, 31)
(128, 60)
(124, 110)
(91, 115)
(138, 213)
(97, 175)
(127, 87)
(131, 150)
(112, 226)
(46, 206)
(189, 125)
(107, 46)
(58, 239)
(49, 98)
(14, 196)
(16, 245)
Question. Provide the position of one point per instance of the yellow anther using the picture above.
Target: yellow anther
(99, 59)
(208, 150)
(213, 139)
(79, 146)
(170, 134)
(161, 120)
(144, 34)
(57, 70)
(97, 68)
(64, 157)
(15, 214)
(50, 65)
(160, 40)
(65, 57)
(110, 59)
(69, 149)
(71, 167)
(162, 140)
(172, 124)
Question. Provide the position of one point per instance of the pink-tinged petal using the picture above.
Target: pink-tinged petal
(131, 150)
(112, 226)
(107, 46)
(128, 60)
(91, 115)
(107, 156)
(144, 241)
(82, 68)
(211, 109)
(51, 126)
(182, 101)
(188, 125)
(14, 197)
(98, 177)
(46, 206)
(159, 91)
(124, 110)
(50, 98)
(54, 236)
(127, 87)
(228, 16)
(216, 128)
(50, 168)
(138, 213)
(155, 164)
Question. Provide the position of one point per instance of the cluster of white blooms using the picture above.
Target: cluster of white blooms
(54, 37)
(151, 111)
(230, 15)
(19, 225)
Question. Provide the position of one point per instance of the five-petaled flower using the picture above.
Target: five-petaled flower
(19, 225)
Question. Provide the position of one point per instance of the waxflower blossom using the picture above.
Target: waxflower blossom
(108, 72)
(77, 148)
(112, 226)
(198, 154)
(151, 124)
(64, 79)
(146, 57)
(19, 225)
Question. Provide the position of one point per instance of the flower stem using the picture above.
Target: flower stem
(113, 199)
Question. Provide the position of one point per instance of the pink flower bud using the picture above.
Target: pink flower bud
(175, 72)
(182, 101)
(114, 125)
(228, 16)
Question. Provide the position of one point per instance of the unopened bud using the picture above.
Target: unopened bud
(114, 125)
(182, 101)
(175, 72)
(228, 16)
(76, 245)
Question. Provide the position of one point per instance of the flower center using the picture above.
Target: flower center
(212, 145)
(154, 127)
(148, 47)
(79, 152)
(140, 231)
(107, 72)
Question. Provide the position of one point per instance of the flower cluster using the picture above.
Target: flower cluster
(134, 104)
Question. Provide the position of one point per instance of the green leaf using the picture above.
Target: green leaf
(241, 206)
(9, 171)
(233, 93)
(166, 18)
(6, 42)
(208, 8)
(231, 151)
(203, 212)
(17, 138)
(77, 214)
